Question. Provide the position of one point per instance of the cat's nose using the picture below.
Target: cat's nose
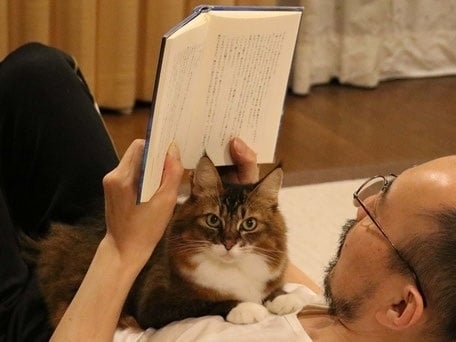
(229, 244)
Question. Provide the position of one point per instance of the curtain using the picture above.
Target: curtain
(116, 42)
(359, 42)
(362, 42)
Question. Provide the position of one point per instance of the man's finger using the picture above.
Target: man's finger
(131, 160)
(172, 171)
(246, 161)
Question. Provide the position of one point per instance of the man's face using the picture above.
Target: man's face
(355, 279)
(349, 283)
(362, 262)
(347, 308)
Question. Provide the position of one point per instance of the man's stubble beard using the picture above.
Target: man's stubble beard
(346, 309)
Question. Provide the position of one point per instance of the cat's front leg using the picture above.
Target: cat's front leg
(247, 313)
(284, 303)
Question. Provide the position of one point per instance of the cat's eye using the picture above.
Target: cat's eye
(213, 221)
(249, 224)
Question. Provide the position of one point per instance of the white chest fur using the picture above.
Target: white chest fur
(241, 275)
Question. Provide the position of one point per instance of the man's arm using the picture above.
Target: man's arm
(130, 240)
(294, 275)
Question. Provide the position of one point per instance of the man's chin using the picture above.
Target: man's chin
(342, 308)
(327, 278)
(327, 289)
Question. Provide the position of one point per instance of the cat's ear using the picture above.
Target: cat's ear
(268, 188)
(206, 180)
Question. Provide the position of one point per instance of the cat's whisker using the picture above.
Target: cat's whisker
(186, 240)
(270, 255)
(190, 242)
(268, 250)
(193, 247)
(189, 248)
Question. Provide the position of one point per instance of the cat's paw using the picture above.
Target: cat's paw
(247, 313)
(285, 304)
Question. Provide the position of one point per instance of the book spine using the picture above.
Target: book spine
(149, 124)
(206, 8)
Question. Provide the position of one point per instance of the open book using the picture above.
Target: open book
(222, 73)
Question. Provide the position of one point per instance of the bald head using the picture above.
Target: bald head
(417, 194)
(436, 178)
(420, 213)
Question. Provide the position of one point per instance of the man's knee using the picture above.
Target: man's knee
(34, 61)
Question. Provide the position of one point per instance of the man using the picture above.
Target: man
(394, 276)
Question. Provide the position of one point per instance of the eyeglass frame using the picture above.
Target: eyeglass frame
(386, 183)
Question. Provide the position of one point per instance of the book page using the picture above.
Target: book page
(175, 95)
(223, 74)
(247, 74)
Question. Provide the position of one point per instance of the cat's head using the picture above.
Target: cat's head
(230, 223)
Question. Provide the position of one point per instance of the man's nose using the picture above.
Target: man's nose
(369, 202)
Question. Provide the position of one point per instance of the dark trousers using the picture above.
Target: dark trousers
(54, 152)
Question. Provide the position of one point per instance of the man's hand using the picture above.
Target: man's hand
(136, 228)
(245, 169)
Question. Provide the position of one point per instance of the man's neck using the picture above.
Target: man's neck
(323, 327)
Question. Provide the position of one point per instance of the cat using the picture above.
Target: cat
(224, 253)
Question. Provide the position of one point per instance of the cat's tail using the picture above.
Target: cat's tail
(30, 249)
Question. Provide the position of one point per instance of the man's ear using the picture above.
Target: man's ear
(405, 312)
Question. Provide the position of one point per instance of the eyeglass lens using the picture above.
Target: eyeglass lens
(372, 187)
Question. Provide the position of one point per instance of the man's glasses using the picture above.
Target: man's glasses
(373, 186)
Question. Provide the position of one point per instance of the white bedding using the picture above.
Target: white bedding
(314, 215)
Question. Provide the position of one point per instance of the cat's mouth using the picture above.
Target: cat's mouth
(226, 256)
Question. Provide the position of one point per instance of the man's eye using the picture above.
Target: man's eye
(213, 221)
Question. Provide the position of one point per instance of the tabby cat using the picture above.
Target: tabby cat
(224, 253)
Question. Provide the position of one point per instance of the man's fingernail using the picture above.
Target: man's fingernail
(173, 150)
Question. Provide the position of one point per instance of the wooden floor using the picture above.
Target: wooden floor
(340, 132)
